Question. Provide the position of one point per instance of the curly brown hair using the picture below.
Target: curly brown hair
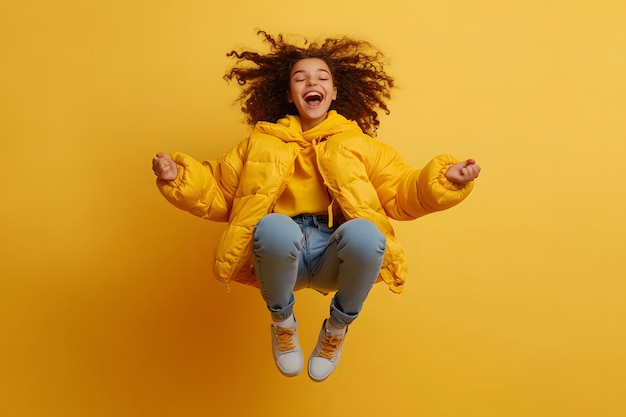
(356, 67)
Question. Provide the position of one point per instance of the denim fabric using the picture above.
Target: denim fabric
(303, 252)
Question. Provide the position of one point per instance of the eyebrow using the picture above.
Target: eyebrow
(318, 70)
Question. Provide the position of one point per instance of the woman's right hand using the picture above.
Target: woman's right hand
(164, 167)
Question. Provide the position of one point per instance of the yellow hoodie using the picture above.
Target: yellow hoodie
(366, 178)
(305, 192)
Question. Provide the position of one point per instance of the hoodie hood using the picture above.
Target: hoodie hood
(289, 128)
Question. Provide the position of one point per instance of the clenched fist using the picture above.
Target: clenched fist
(164, 167)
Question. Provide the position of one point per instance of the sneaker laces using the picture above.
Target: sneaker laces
(284, 337)
(329, 345)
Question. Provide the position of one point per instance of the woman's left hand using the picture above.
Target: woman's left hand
(463, 172)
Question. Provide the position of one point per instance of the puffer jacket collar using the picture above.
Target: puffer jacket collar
(289, 128)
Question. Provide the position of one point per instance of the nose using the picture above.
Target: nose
(310, 82)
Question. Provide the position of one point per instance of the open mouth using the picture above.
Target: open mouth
(313, 98)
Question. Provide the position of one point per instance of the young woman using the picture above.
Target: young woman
(309, 194)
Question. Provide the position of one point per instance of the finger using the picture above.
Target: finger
(160, 166)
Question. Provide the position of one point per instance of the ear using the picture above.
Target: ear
(289, 97)
(334, 93)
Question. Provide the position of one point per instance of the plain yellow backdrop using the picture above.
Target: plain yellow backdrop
(515, 304)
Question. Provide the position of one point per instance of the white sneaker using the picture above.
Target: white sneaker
(286, 349)
(325, 356)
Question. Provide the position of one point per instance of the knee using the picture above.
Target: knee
(277, 232)
(363, 236)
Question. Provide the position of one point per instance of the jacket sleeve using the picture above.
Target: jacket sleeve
(204, 189)
(435, 192)
(407, 193)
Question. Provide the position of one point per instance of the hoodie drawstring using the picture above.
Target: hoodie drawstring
(315, 143)
(330, 214)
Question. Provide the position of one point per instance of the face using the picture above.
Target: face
(312, 90)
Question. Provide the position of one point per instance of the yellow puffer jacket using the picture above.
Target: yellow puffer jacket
(366, 178)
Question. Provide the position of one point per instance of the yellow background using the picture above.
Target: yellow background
(515, 305)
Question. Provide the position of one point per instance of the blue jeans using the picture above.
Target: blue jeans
(303, 252)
